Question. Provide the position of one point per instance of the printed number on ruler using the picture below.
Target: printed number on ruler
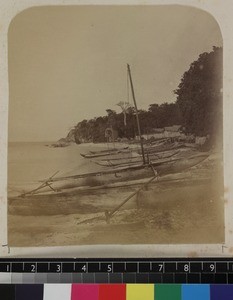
(158, 267)
(84, 268)
(212, 267)
(58, 269)
(81, 267)
(186, 268)
(33, 268)
(109, 268)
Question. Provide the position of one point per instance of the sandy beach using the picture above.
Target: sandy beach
(182, 208)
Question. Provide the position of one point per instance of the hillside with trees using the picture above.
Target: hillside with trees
(198, 107)
(199, 95)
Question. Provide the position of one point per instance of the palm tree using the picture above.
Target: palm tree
(125, 107)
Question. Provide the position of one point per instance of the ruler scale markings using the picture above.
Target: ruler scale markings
(209, 271)
(144, 267)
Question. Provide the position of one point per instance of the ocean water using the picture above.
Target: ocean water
(28, 163)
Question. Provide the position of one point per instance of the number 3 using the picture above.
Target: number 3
(58, 269)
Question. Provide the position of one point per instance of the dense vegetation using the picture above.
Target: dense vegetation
(199, 95)
(198, 106)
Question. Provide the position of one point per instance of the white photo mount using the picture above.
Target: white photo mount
(222, 12)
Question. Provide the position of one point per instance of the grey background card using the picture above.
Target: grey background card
(53, 278)
(41, 278)
(16, 278)
(5, 277)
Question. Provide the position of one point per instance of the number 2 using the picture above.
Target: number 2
(33, 268)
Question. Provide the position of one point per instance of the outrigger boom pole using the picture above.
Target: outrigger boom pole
(135, 104)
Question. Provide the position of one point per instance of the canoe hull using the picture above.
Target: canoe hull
(120, 175)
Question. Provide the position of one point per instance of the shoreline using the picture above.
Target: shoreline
(183, 211)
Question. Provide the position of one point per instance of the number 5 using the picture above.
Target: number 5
(109, 268)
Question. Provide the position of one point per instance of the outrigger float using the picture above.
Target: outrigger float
(121, 174)
(102, 154)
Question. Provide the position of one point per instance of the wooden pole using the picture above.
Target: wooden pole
(137, 118)
(108, 214)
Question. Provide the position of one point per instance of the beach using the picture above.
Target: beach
(182, 208)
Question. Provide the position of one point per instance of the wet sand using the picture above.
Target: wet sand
(182, 208)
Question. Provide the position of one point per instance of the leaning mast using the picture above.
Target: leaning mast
(137, 118)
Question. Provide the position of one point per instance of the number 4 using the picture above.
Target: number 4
(84, 268)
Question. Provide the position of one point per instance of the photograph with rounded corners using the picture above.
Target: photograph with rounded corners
(115, 131)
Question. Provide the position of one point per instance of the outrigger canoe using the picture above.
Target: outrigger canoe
(133, 160)
(92, 155)
(116, 175)
(109, 150)
(162, 148)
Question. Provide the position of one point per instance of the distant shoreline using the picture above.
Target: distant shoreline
(30, 142)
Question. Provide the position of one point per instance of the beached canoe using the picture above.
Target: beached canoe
(109, 150)
(92, 155)
(162, 148)
(116, 175)
(134, 160)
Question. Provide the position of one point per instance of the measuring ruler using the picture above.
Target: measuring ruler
(108, 270)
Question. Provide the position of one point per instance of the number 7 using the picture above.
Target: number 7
(160, 267)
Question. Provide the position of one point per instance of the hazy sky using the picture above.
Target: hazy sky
(67, 64)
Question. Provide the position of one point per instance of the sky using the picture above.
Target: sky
(68, 63)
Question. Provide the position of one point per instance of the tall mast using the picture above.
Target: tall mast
(137, 118)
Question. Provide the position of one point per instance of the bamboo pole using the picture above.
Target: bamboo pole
(137, 118)
(108, 214)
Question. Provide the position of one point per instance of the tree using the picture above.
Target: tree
(124, 106)
(111, 118)
(199, 95)
(166, 114)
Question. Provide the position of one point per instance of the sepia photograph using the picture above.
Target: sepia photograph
(115, 128)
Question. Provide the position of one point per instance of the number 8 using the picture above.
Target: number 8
(186, 268)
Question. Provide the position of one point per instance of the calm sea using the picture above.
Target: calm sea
(30, 162)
